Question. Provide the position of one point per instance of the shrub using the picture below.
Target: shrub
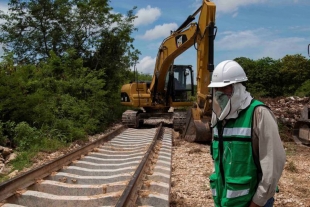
(304, 89)
(3, 137)
(26, 136)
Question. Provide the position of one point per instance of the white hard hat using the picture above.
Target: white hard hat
(226, 73)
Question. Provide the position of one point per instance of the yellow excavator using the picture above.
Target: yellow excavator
(172, 86)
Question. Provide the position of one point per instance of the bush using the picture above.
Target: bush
(304, 89)
(7, 132)
(26, 136)
(3, 137)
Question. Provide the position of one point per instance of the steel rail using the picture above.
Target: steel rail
(128, 198)
(22, 181)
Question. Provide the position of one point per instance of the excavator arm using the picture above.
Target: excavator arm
(171, 48)
(198, 117)
(187, 35)
(156, 97)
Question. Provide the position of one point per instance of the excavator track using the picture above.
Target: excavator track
(301, 132)
(129, 119)
(179, 120)
(182, 122)
(133, 119)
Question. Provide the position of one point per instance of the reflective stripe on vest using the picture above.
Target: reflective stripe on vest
(213, 191)
(237, 193)
(228, 132)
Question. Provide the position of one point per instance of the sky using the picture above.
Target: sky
(245, 28)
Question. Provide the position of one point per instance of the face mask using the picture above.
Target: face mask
(221, 98)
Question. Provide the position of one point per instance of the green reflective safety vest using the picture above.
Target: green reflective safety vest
(234, 181)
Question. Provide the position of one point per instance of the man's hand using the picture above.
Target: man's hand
(252, 204)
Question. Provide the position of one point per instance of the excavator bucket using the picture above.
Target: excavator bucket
(301, 131)
(196, 129)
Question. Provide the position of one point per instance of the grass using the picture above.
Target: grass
(3, 178)
(26, 158)
(291, 167)
(23, 159)
(285, 132)
(291, 148)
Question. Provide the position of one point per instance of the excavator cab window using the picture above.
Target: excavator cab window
(182, 84)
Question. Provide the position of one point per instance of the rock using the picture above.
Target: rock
(282, 101)
(5, 170)
(287, 110)
(13, 174)
(11, 157)
(1, 167)
(6, 151)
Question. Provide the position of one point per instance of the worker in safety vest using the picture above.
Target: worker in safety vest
(246, 148)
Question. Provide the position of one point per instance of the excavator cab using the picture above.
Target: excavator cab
(179, 83)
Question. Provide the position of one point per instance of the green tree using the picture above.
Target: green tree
(33, 28)
(59, 95)
(144, 77)
(249, 67)
(304, 89)
(294, 72)
(65, 60)
(268, 77)
(264, 77)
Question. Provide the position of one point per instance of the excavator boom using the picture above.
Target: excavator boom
(172, 85)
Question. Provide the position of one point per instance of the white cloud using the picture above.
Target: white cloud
(278, 48)
(147, 15)
(239, 40)
(232, 6)
(235, 14)
(146, 65)
(261, 41)
(159, 31)
(300, 28)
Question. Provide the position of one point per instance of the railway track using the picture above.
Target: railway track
(127, 167)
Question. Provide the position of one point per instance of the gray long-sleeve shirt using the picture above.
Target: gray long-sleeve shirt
(268, 147)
